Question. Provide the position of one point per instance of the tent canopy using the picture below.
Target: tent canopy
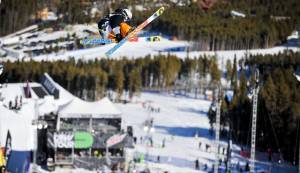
(78, 108)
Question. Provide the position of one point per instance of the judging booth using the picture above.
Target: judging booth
(82, 131)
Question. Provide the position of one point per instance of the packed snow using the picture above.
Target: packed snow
(181, 123)
(176, 121)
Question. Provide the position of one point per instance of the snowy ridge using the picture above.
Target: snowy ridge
(31, 40)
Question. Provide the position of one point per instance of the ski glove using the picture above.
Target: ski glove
(131, 29)
(118, 37)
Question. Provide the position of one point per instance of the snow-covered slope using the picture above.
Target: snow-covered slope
(129, 49)
(178, 121)
(182, 123)
(143, 48)
(20, 43)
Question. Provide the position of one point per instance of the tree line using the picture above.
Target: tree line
(267, 23)
(91, 80)
(278, 104)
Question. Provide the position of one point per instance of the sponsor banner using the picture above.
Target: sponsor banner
(83, 140)
(48, 83)
(63, 140)
(115, 139)
(95, 41)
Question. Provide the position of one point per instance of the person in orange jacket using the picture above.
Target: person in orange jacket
(115, 25)
(2, 161)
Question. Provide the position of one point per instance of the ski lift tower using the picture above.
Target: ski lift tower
(254, 119)
(217, 139)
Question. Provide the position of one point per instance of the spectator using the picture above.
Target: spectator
(270, 154)
(238, 166)
(247, 167)
(151, 142)
(16, 102)
(10, 105)
(141, 140)
(21, 101)
(2, 161)
(197, 164)
(207, 147)
(164, 143)
(96, 153)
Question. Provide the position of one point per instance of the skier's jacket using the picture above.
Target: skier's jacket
(115, 20)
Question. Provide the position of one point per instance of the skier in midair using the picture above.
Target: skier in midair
(115, 26)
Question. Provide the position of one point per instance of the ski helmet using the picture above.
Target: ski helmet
(119, 10)
(127, 13)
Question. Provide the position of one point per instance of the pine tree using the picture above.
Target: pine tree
(215, 72)
(234, 74)
(135, 82)
(228, 70)
(119, 81)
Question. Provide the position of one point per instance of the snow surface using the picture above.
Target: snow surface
(182, 122)
(143, 48)
(178, 121)
(18, 122)
(129, 49)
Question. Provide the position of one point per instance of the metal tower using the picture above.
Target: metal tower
(254, 119)
(217, 139)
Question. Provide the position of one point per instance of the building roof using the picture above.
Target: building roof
(78, 108)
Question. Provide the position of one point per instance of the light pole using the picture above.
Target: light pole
(1, 71)
(229, 96)
(298, 79)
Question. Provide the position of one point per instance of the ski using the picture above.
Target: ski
(134, 32)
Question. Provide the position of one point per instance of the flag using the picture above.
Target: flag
(27, 90)
(7, 149)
